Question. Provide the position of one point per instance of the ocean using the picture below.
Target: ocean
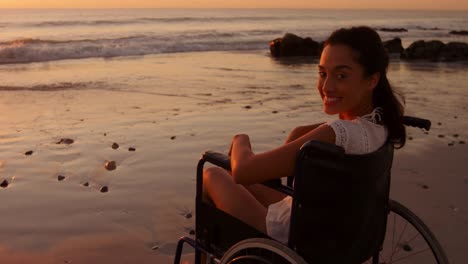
(48, 35)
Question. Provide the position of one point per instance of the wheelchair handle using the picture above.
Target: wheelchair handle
(417, 122)
(218, 159)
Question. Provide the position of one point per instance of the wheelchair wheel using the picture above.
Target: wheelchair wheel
(260, 251)
(409, 240)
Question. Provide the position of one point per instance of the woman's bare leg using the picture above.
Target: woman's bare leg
(233, 198)
(265, 195)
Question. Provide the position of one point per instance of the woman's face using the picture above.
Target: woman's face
(344, 88)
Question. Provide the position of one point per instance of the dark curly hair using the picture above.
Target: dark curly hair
(372, 55)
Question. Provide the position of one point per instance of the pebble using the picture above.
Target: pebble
(450, 144)
(424, 186)
(455, 117)
(156, 247)
(110, 165)
(441, 136)
(275, 112)
(131, 149)
(27, 153)
(188, 215)
(173, 137)
(192, 232)
(115, 145)
(439, 123)
(104, 189)
(462, 142)
(410, 138)
(67, 141)
(60, 178)
(407, 247)
(455, 135)
(247, 107)
(86, 184)
(105, 134)
(4, 184)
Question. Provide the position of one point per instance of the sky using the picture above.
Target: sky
(341, 4)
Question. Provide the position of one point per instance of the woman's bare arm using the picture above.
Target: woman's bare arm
(249, 168)
(300, 131)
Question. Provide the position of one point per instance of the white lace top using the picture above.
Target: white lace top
(362, 135)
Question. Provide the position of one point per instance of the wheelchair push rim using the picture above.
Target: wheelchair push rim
(260, 250)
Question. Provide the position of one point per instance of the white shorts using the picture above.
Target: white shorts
(278, 219)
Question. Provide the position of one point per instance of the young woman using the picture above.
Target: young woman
(353, 84)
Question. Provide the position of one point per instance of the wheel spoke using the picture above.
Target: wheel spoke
(398, 243)
(394, 230)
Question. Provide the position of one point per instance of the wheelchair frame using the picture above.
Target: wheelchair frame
(217, 248)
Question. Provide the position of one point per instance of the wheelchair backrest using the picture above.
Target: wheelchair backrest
(340, 203)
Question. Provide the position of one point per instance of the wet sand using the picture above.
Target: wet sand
(163, 112)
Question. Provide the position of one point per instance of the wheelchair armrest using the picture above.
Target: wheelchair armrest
(218, 159)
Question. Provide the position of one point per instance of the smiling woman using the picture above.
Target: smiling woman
(353, 84)
(338, 4)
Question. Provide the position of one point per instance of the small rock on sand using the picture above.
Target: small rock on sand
(115, 145)
(247, 107)
(110, 165)
(274, 112)
(104, 189)
(192, 232)
(455, 135)
(155, 247)
(60, 177)
(424, 186)
(441, 136)
(67, 141)
(188, 215)
(461, 142)
(173, 137)
(454, 208)
(410, 138)
(28, 153)
(450, 144)
(407, 247)
(131, 149)
(4, 184)
(86, 184)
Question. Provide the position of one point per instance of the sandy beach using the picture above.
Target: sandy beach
(168, 109)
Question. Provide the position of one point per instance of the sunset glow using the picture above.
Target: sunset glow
(336, 4)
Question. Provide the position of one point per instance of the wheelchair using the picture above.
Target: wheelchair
(341, 213)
